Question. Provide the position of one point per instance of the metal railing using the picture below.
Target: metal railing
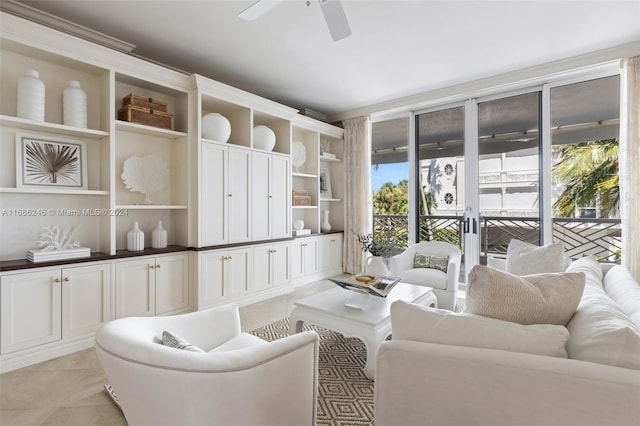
(581, 237)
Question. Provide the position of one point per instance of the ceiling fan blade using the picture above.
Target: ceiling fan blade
(336, 19)
(258, 9)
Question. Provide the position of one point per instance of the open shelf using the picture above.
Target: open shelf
(58, 129)
(53, 191)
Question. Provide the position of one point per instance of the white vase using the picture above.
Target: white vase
(135, 238)
(264, 138)
(377, 265)
(159, 237)
(31, 96)
(74, 105)
(325, 226)
(216, 127)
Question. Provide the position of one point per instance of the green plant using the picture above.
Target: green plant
(374, 245)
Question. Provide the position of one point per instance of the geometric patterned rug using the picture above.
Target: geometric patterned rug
(345, 394)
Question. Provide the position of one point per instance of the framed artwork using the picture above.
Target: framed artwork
(50, 162)
(325, 184)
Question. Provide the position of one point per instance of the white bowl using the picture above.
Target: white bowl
(216, 127)
(264, 138)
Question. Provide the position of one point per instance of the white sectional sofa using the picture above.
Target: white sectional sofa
(443, 368)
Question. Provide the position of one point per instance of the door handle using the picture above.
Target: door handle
(475, 226)
(466, 226)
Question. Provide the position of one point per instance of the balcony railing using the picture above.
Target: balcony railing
(581, 237)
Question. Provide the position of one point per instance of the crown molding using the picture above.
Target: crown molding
(51, 21)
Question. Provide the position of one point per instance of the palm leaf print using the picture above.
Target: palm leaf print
(52, 163)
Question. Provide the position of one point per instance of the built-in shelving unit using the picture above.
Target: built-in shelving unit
(224, 200)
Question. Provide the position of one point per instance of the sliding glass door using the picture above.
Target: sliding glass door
(480, 172)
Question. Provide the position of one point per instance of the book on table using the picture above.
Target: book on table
(376, 285)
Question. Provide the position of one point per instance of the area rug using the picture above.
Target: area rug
(345, 394)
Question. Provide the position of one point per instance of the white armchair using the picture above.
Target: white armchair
(240, 379)
(445, 285)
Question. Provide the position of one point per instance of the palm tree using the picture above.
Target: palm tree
(590, 172)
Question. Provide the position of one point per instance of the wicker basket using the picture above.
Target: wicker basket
(146, 116)
(144, 102)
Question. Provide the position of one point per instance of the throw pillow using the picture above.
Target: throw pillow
(601, 332)
(422, 324)
(440, 263)
(173, 341)
(530, 299)
(525, 259)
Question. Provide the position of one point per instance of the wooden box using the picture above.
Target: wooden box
(301, 198)
(145, 102)
(146, 116)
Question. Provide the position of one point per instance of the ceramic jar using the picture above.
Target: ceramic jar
(135, 238)
(74, 105)
(264, 138)
(31, 96)
(159, 237)
(216, 127)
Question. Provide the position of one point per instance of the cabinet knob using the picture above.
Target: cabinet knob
(56, 280)
(157, 266)
(66, 279)
(270, 196)
(152, 266)
(229, 195)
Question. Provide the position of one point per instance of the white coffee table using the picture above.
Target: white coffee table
(371, 324)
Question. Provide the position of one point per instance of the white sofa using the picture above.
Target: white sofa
(445, 285)
(239, 379)
(453, 380)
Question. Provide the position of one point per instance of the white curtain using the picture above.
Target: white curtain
(358, 199)
(629, 163)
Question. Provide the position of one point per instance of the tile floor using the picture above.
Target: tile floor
(68, 390)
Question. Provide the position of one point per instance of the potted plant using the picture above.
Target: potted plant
(380, 250)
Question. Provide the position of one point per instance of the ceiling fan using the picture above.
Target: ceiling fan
(332, 10)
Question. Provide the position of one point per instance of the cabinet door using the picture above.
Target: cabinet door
(280, 197)
(172, 283)
(135, 288)
(324, 254)
(336, 251)
(86, 299)
(297, 259)
(213, 195)
(310, 255)
(31, 309)
(238, 271)
(262, 272)
(280, 264)
(261, 196)
(239, 210)
(212, 286)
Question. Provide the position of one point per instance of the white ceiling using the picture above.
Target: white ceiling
(397, 48)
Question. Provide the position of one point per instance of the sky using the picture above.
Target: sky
(393, 173)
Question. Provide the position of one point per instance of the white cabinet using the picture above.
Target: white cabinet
(225, 194)
(304, 257)
(271, 266)
(86, 299)
(330, 253)
(224, 274)
(270, 194)
(152, 285)
(31, 309)
(49, 305)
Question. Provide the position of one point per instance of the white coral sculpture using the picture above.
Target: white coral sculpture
(146, 174)
(52, 238)
(325, 145)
